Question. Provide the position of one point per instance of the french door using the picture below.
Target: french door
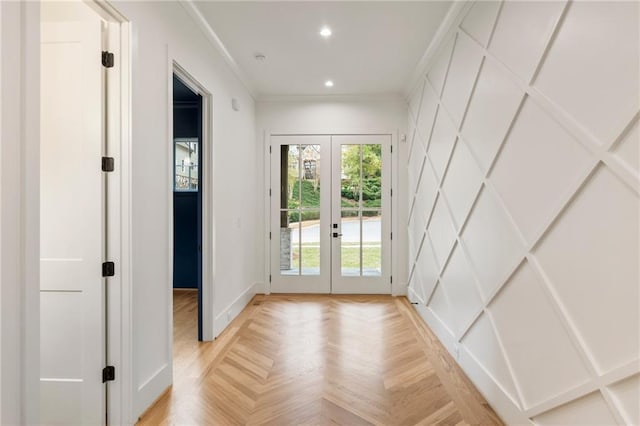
(330, 214)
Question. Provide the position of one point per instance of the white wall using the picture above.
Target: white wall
(527, 126)
(163, 31)
(19, 212)
(339, 115)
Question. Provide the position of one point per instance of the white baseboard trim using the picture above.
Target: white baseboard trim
(151, 389)
(509, 412)
(227, 315)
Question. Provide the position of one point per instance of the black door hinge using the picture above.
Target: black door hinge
(391, 192)
(269, 235)
(269, 278)
(107, 59)
(108, 374)
(392, 235)
(108, 269)
(391, 278)
(269, 149)
(108, 164)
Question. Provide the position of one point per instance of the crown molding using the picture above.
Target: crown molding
(451, 21)
(202, 23)
(388, 97)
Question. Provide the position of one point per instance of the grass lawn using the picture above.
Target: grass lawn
(371, 256)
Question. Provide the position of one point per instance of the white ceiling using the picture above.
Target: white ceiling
(374, 49)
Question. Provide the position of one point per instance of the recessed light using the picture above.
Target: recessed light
(328, 83)
(325, 32)
(260, 57)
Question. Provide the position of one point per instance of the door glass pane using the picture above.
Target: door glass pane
(185, 176)
(351, 175)
(310, 176)
(289, 243)
(300, 209)
(372, 176)
(350, 253)
(290, 175)
(310, 243)
(371, 243)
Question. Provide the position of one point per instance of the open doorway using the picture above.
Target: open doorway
(187, 211)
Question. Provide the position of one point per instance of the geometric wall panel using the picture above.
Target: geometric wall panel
(427, 270)
(416, 165)
(627, 396)
(414, 102)
(591, 257)
(441, 144)
(588, 410)
(427, 114)
(492, 243)
(438, 71)
(628, 150)
(483, 344)
(441, 231)
(425, 197)
(538, 164)
(532, 227)
(491, 110)
(592, 69)
(543, 359)
(459, 286)
(480, 19)
(463, 70)
(462, 182)
(440, 307)
(522, 30)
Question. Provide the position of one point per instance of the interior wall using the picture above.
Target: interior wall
(162, 32)
(334, 115)
(523, 223)
(19, 212)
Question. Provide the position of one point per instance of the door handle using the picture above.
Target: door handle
(336, 235)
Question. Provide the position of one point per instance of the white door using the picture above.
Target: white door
(72, 337)
(360, 210)
(330, 214)
(300, 214)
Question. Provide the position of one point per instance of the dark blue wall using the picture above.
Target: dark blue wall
(185, 240)
(186, 124)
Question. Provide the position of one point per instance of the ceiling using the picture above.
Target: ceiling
(374, 49)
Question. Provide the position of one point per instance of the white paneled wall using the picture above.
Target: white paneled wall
(523, 174)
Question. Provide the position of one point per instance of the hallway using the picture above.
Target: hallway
(285, 360)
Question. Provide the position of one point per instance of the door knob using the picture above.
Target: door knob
(336, 235)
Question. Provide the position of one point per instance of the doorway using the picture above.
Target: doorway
(331, 214)
(187, 200)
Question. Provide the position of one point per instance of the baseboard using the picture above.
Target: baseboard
(233, 309)
(509, 412)
(150, 389)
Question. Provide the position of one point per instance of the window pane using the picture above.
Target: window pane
(290, 176)
(350, 175)
(371, 243)
(372, 176)
(350, 243)
(186, 168)
(310, 242)
(289, 244)
(310, 176)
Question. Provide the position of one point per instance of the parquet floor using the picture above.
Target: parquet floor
(316, 360)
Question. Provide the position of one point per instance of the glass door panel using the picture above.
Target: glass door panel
(301, 207)
(360, 202)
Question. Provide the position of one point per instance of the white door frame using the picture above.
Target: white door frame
(207, 197)
(396, 263)
(119, 296)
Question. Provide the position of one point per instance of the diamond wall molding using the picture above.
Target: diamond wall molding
(523, 245)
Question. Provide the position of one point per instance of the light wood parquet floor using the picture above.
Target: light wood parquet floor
(316, 360)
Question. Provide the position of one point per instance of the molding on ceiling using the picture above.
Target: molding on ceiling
(211, 35)
(451, 21)
(331, 98)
